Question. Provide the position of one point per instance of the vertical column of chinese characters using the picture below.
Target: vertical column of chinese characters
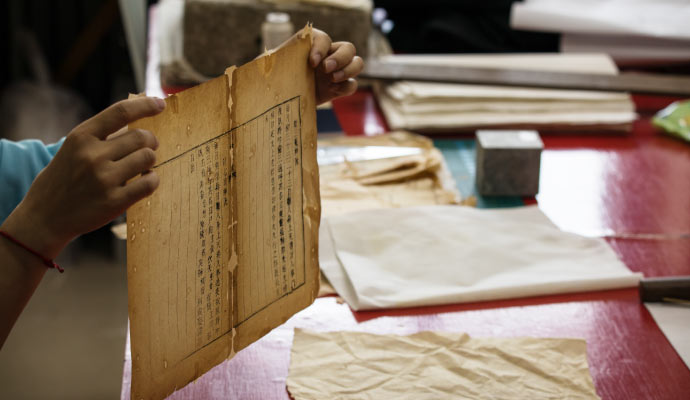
(274, 206)
(216, 275)
(225, 226)
(292, 162)
(233, 243)
(281, 195)
(211, 241)
(203, 250)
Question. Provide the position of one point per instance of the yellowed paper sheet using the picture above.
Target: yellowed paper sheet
(226, 248)
(436, 365)
(421, 179)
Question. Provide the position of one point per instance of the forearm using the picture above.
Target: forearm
(87, 184)
(20, 274)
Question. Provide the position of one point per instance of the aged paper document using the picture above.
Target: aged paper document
(226, 248)
(436, 365)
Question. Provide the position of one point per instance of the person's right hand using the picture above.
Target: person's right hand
(86, 185)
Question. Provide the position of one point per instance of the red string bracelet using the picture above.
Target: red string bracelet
(48, 262)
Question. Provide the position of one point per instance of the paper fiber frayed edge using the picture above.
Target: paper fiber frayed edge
(229, 73)
(307, 30)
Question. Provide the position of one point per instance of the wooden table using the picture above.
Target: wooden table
(610, 185)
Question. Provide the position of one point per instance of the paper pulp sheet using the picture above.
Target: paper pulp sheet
(226, 248)
(418, 256)
(436, 365)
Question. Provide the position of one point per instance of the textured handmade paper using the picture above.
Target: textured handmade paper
(226, 248)
(436, 365)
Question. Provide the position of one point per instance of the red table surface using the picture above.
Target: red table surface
(637, 183)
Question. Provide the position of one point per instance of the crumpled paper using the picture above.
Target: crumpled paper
(421, 179)
(436, 365)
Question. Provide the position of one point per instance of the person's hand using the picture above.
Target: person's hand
(86, 185)
(336, 67)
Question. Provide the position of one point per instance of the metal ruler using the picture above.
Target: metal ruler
(625, 82)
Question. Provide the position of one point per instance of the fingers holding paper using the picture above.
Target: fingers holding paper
(336, 65)
(86, 184)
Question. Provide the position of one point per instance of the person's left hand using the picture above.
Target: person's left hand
(336, 67)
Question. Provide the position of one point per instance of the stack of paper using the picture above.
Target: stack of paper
(628, 30)
(382, 178)
(438, 107)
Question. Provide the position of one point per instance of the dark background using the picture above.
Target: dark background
(460, 26)
(84, 44)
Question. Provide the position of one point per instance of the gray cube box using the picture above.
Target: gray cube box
(508, 162)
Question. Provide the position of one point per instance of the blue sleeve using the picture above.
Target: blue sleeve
(20, 162)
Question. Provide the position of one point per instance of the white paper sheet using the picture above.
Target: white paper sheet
(451, 254)
(655, 18)
(439, 107)
(674, 322)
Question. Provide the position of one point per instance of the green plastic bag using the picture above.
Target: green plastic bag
(675, 120)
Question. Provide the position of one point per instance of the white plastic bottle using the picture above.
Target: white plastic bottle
(275, 30)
